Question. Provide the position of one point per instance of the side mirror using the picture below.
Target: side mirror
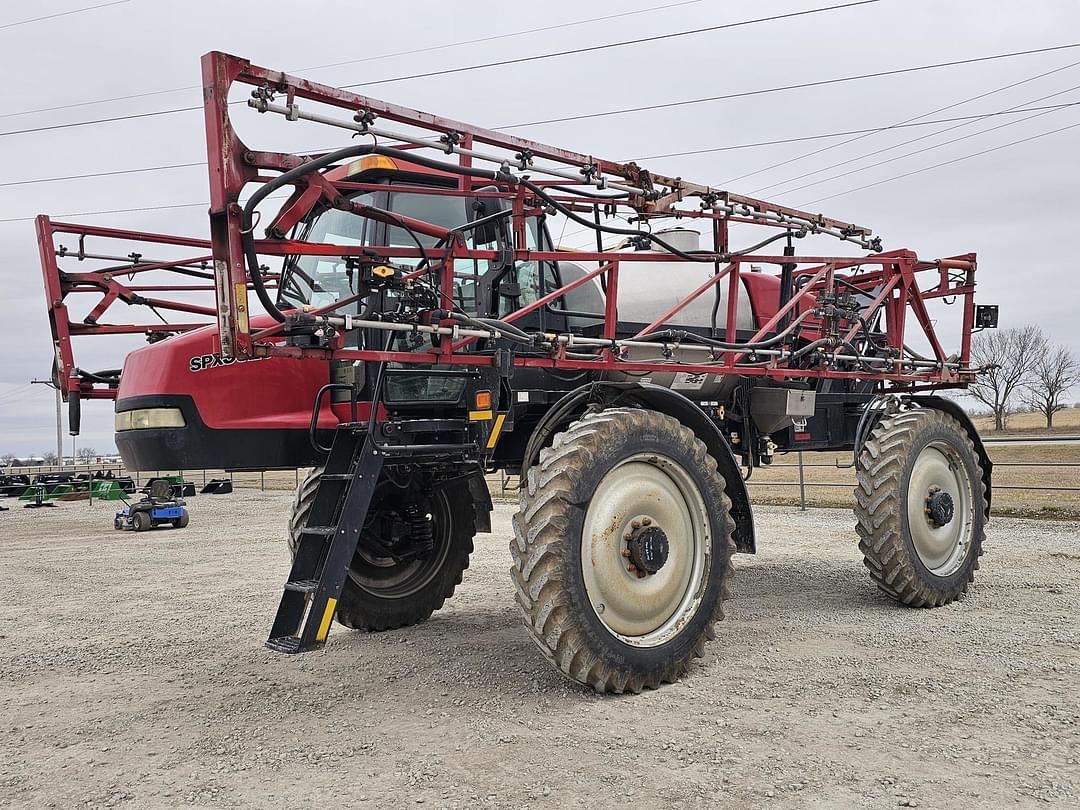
(490, 209)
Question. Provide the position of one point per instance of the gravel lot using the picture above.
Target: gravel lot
(132, 674)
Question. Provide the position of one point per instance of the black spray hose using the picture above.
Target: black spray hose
(768, 241)
(568, 213)
(110, 376)
(672, 334)
(330, 158)
(693, 256)
(508, 330)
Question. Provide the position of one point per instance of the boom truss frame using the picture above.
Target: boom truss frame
(532, 178)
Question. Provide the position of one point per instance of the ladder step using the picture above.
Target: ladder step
(324, 531)
(326, 548)
(284, 644)
(302, 585)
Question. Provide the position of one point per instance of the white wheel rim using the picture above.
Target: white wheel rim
(645, 611)
(941, 549)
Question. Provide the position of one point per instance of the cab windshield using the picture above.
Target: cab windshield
(319, 281)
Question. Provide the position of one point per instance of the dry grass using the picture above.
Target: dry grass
(1011, 480)
(779, 484)
(1066, 421)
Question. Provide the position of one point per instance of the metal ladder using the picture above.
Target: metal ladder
(327, 542)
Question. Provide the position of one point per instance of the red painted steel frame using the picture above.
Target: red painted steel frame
(890, 280)
(114, 283)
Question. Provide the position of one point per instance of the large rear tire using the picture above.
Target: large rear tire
(621, 550)
(380, 594)
(920, 507)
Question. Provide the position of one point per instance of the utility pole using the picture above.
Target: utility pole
(59, 425)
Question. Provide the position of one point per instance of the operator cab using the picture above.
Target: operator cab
(481, 288)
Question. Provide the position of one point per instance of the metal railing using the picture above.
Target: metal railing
(505, 485)
(802, 483)
(242, 479)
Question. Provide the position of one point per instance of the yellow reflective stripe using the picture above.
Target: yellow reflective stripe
(328, 614)
(240, 294)
(481, 416)
(496, 430)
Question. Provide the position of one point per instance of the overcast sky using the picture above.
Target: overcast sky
(1017, 207)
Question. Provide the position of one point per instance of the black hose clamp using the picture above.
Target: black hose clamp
(524, 159)
(451, 139)
(365, 118)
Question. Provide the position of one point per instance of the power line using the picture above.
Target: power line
(58, 217)
(968, 118)
(102, 174)
(471, 67)
(16, 394)
(111, 211)
(923, 137)
(803, 205)
(63, 14)
(801, 86)
(944, 163)
(914, 140)
(919, 151)
(868, 131)
(131, 116)
(503, 36)
(624, 43)
(901, 123)
(427, 49)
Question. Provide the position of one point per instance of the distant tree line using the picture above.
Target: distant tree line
(87, 455)
(1022, 368)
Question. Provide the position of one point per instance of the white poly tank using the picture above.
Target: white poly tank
(647, 290)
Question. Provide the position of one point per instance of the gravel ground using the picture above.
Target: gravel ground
(132, 674)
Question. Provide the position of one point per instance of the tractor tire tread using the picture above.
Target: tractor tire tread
(351, 612)
(878, 504)
(540, 540)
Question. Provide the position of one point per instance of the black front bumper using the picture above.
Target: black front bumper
(198, 447)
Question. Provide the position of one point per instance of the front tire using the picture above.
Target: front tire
(380, 594)
(920, 507)
(622, 549)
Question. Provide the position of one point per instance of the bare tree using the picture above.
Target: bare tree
(1008, 358)
(87, 454)
(1057, 371)
(49, 458)
(9, 459)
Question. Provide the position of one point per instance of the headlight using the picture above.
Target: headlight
(149, 418)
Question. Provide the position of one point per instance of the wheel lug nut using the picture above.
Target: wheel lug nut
(626, 536)
(626, 552)
(631, 568)
(645, 521)
(636, 524)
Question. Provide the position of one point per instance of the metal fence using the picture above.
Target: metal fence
(257, 479)
(789, 474)
(503, 485)
(801, 466)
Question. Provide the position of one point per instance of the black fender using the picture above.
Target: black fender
(690, 414)
(674, 404)
(958, 413)
(481, 496)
